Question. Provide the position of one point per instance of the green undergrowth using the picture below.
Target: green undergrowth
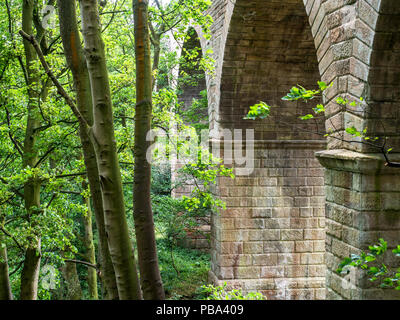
(183, 271)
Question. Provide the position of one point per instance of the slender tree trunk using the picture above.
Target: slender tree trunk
(70, 275)
(156, 56)
(5, 288)
(77, 63)
(144, 225)
(102, 132)
(90, 251)
(31, 269)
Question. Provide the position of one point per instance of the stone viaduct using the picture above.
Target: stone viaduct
(310, 201)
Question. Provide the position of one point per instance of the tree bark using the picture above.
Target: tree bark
(70, 275)
(31, 269)
(77, 63)
(155, 40)
(144, 224)
(5, 288)
(102, 133)
(90, 251)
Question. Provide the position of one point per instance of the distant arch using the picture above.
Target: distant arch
(192, 79)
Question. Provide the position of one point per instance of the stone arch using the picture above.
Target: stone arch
(191, 79)
(190, 83)
(268, 50)
(383, 97)
(363, 196)
(271, 236)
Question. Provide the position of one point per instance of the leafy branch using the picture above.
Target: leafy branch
(388, 279)
(262, 110)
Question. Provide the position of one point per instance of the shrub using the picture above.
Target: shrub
(221, 293)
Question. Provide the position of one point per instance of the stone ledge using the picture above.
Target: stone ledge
(276, 144)
(346, 160)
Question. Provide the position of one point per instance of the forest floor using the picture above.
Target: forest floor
(183, 271)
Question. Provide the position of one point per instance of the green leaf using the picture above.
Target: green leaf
(258, 111)
(352, 130)
(307, 117)
(322, 85)
(319, 109)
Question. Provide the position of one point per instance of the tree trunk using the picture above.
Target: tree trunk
(70, 275)
(90, 251)
(144, 224)
(156, 56)
(102, 132)
(5, 288)
(31, 269)
(77, 63)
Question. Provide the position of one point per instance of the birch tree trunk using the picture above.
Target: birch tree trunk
(102, 132)
(77, 63)
(144, 224)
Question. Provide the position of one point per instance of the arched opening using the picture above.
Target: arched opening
(193, 109)
(271, 236)
(384, 77)
(191, 82)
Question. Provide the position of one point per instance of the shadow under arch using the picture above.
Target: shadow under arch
(271, 236)
(383, 118)
(192, 77)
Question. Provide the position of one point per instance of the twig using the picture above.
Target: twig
(71, 175)
(57, 84)
(13, 140)
(17, 268)
(12, 237)
(91, 265)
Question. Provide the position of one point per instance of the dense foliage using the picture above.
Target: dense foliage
(32, 113)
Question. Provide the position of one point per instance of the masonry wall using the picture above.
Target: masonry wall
(362, 206)
(358, 46)
(283, 233)
(271, 237)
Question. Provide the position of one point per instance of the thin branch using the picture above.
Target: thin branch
(113, 15)
(12, 237)
(20, 264)
(70, 192)
(10, 197)
(16, 191)
(71, 175)
(4, 69)
(13, 140)
(57, 84)
(51, 200)
(91, 265)
(388, 162)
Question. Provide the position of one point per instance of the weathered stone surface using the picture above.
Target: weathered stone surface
(289, 223)
(361, 208)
